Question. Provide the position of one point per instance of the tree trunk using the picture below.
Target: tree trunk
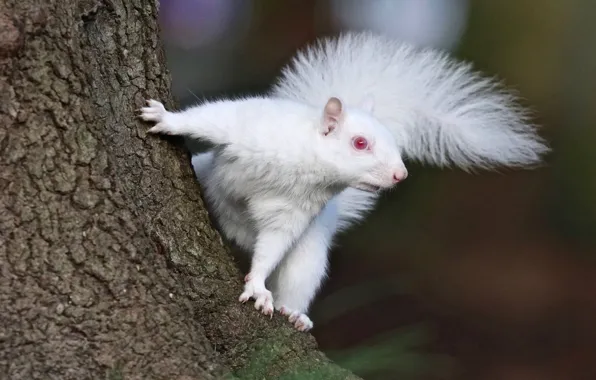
(110, 268)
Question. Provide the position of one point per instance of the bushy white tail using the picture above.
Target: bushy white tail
(440, 110)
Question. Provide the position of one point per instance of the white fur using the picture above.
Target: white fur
(439, 110)
(273, 182)
(281, 189)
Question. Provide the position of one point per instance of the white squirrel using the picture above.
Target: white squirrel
(291, 169)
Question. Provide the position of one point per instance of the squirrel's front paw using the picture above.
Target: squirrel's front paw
(263, 298)
(300, 320)
(155, 112)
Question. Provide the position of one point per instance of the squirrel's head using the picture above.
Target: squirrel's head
(361, 150)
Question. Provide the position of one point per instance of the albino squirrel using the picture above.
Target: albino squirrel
(291, 169)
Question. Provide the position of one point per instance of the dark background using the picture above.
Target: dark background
(454, 276)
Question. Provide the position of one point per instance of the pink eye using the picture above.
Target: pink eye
(359, 143)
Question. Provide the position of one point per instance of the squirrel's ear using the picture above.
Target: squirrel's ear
(331, 115)
(368, 103)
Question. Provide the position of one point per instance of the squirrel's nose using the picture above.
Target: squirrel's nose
(400, 175)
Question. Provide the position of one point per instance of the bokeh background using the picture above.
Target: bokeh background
(454, 276)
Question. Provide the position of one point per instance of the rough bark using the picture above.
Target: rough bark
(109, 266)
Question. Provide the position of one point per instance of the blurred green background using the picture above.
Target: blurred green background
(454, 276)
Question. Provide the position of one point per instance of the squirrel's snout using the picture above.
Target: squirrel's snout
(400, 175)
